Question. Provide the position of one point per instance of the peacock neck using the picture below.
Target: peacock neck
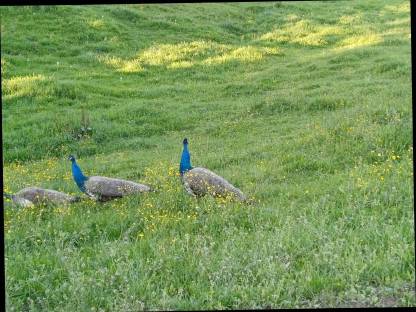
(185, 164)
(79, 177)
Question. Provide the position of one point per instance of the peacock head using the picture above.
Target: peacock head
(185, 141)
(71, 158)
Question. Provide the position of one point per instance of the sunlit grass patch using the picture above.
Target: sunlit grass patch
(3, 66)
(121, 65)
(311, 40)
(303, 32)
(23, 85)
(181, 64)
(243, 54)
(276, 35)
(399, 22)
(358, 41)
(292, 17)
(404, 31)
(181, 55)
(398, 8)
(188, 54)
(166, 54)
(350, 19)
(394, 35)
(96, 23)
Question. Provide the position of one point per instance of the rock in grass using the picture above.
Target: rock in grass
(103, 188)
(33, 196)
(201, 181)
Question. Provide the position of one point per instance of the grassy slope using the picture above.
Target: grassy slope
(305, 106)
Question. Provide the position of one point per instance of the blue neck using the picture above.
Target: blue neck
(78, 176)
(185, 160)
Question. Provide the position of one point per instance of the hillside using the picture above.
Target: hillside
(305, 106)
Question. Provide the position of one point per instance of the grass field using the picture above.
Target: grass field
(305, 106)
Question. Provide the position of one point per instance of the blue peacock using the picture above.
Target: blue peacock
(103, 188)
(200, 181)
(33, 196)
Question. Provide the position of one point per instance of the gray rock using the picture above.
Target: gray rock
(201, 181)
(103, 188)
(31, 196)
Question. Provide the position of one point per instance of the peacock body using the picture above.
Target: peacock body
(104, 188)
(32, 196)
(200, 181)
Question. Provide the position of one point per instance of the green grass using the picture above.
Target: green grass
(304, 106)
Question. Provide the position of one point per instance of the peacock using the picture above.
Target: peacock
(201, 181)
(32, 196)
(103, 188)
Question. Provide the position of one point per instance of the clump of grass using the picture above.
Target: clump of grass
(86, 130)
